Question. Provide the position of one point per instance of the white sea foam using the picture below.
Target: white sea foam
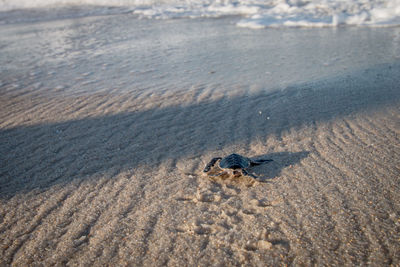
(255, 13)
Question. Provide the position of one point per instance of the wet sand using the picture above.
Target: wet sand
(114, 177)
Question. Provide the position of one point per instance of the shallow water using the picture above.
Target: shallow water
(122, 53)
(255, 13)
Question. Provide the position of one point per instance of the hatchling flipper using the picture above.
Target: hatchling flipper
(259, 161)
(248, 174)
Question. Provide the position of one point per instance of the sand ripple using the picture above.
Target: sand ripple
(115, 179)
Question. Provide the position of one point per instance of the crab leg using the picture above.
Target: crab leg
(211, 164)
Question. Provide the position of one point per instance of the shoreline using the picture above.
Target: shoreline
(113, 175)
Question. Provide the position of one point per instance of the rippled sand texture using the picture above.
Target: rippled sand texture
(115, 177)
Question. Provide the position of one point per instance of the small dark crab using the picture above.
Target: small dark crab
(234, 164)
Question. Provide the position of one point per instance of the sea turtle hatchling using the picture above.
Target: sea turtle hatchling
(234, 164)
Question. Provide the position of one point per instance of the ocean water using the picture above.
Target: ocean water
(122, 53)
(72, 47)
(252, 13)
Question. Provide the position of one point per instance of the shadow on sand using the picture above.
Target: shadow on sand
(42, 155)
(281, 160)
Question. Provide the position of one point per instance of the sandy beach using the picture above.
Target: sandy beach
(103, 143)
